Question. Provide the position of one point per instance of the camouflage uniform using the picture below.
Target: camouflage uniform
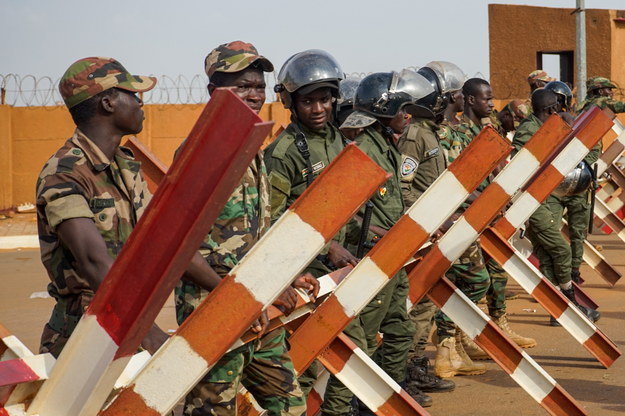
(468, 272)
(264, 366)
(423, 161)
(386, 313)
(79, 181)
(544, 232)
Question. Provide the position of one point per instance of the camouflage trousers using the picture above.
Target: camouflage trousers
(577, 216)
(552, 250)
(422, 315)
(469, 274)
(496, 294)
(387, 314)
(63, 320)
(264, 368)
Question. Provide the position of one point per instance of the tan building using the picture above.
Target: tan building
(521, 36)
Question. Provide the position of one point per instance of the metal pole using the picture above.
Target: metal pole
(580, 46)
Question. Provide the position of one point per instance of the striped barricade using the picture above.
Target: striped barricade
(427, 273)
(154, 257)
(495, 244)
(264, 273)
(399, 244)
(610, 219)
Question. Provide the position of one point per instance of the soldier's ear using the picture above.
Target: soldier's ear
(107, 103)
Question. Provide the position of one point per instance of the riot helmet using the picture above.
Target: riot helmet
(446, 78)
(563, 93)
(306, 71)
(347, 92)
(575, 182)
(384, 94)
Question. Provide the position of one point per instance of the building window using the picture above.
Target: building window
(559, 65)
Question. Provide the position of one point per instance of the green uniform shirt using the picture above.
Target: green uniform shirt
(388, 205)
(528, 127)
(423, 158)
(287, 167)
(601, 102)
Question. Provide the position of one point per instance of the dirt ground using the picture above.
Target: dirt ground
(600, 391)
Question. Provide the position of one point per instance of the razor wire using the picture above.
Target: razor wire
(30, 91)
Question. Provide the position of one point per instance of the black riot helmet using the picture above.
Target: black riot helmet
(445, 78)
(563, 92)
(306, 71)
(384, 94)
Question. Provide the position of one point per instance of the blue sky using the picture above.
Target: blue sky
(159, 37)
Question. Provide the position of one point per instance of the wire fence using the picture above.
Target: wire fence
(29, 91)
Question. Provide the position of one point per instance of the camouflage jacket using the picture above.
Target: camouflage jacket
(242, 222)
(79, 181)
(423, 159)
(602, 102)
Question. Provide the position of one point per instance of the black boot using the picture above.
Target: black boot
(554, 322)
(418, 375)
(576, 276)
(591, 314)
(423, 399)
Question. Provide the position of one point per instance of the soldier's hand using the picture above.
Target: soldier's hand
(154, 339)
(260, 325)
(287, 301)
(309, 284)
(340, 256)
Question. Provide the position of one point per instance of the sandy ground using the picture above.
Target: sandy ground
(600, 391)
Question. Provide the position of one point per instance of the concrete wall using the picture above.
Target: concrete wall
(517, 33)
(30, 135)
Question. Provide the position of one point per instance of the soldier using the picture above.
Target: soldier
(544, 232)
(263, 366)
(345, 106)
(599, 92)
(423, 161)
(90, 195)
(511, 115)
(538, 79)
(474, 276)
(381, 104)
(308, 85)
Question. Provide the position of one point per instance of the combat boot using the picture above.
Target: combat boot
(471, 348)
(423, 399)
(591, 314)
(467, 366)
(446, 358)
(576, 276)
(418, 375)
(520, 340)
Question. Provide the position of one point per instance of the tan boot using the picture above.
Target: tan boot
(520, 340)
(445, 353)
(467, 367)
(471, 348)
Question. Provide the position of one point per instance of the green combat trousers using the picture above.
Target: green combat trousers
(263, 367)
(469, 274)
(577, 216)
(387, 314)
(552, 250)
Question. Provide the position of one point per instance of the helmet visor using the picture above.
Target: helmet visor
(411, 83)
(451, 77)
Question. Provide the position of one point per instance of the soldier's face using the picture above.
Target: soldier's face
(605, 92)
(128, 112)
(248, 84)
(482, 103)
(315, 108)
(399, 122)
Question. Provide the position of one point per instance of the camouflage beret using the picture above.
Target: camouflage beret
(234, 57)
(519, 108)
(90, 76)
(598, 82)
(539, 75)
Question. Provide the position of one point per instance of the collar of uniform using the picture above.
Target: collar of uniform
(425, 122)
(92, 152)
(323, 134)
(377, 137)
(465, 119)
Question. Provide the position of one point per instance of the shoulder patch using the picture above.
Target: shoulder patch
(408, 165)
(430, 153)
